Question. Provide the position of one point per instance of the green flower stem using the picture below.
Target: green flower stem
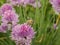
(57, 20)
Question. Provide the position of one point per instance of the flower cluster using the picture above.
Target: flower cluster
(56, 5)
(25, 2)
(22, 34)
(3, 27)
(8, 16)
(5, 7)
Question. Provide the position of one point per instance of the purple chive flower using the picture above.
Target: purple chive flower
(5, 7)
(24, 30)
(10, 17)
(56, 5)
(22, 34)
(3, 27)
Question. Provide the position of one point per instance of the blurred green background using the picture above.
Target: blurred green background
(43, 20)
